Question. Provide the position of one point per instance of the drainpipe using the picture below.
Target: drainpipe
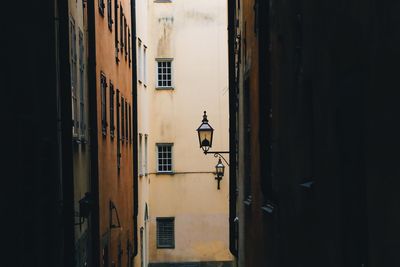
(232, 130)
(94, 166)
(135, 130)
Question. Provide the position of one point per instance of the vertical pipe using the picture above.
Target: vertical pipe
(135, 128)
(232, 128)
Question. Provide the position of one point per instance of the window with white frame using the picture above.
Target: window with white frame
(145, 155)
(74, 78)
(140, 159)
(140, 61)
(144, 65)
(81, 87)
(164, 157)
(164, 73)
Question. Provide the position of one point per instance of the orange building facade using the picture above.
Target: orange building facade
(113, 70)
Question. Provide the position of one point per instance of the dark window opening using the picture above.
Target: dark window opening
(165, 232)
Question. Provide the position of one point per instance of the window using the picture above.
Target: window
(121, 26)
(126, 123)
(164, 157)
(101, 7)
(81, 86)
(165, 232)
(144, 65)
(125, 38)
(122, 119)
(130, 124)
(140, 160)
(129, 47)
(118, 133)
(140, 60)
(116, 29)
(112, 125)
(145, 155)
(109, 14)
(103, 88)
(164, 74)
(74, 82)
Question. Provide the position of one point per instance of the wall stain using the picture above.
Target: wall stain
(200, 16)
(164, 42)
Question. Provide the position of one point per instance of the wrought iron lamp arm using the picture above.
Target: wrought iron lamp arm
(218, 153)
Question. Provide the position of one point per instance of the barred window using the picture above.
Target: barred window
(165, 232)
(164, 74)
(164, 157)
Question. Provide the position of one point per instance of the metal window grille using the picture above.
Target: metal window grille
(164, 74)
(165, 233)
(164, 158)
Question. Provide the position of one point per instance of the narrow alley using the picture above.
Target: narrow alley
(208, 133)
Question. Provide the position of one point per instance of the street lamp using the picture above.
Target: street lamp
(205, 132)
(219, 171)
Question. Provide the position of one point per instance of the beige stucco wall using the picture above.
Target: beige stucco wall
(194, 34)
(143, 11)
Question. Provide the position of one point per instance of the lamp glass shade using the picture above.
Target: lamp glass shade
(205, 132)
(220, 168)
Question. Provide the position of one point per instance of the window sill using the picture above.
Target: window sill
(166, 247)
(167, 173)
(165, 88)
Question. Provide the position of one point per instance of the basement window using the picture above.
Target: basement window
(166, 232)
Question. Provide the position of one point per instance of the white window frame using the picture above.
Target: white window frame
(140, 156)
(170, 60)
(140, 59)
(158, 145)
(146, 170)
(144, 65)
